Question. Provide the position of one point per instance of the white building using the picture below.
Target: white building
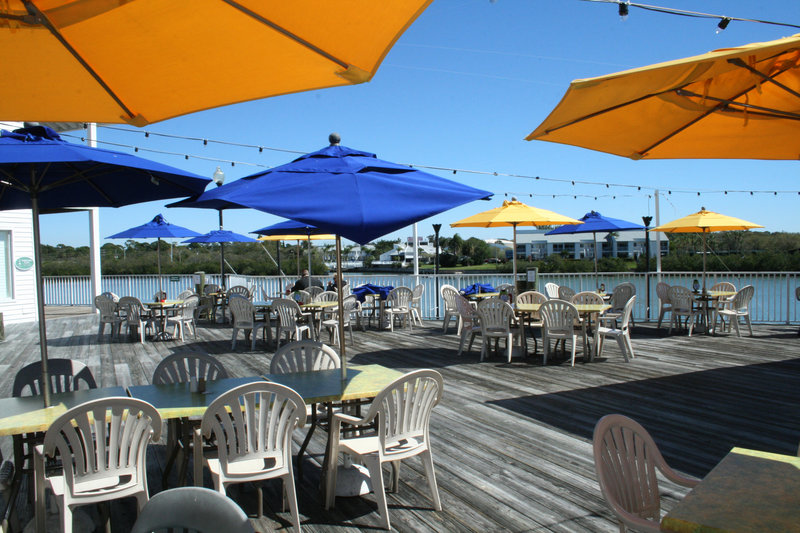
(404, 253)
(536, 245)
(17, 275)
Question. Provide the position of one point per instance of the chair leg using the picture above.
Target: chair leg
(691, 324)
(291, 495)
(630, 345)
(749, 325)
(233, 340)
(430, 473)
(623, 347)
(735, 322)
(574, 342)
(373, 464)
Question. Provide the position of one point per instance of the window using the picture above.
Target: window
(6, 287)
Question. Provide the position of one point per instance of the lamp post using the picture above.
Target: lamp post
(219, 179)
(436, 228)
(647, 220)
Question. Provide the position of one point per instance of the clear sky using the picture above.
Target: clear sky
(460, 90)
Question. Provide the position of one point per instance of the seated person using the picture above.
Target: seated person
(304, 282)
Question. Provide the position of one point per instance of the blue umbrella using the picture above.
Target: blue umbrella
(293, 227)
(221, 236)
(39, 171)
(157, 228)
(592, 223)
(349, 193)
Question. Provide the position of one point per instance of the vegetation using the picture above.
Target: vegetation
(733, 250)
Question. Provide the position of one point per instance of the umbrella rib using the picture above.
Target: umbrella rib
(739, 63)
(287, 33)
(40, 18)
(765, 111)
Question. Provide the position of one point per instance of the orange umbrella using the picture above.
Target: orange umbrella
(145, 61)
(733, 103)
(515, 213)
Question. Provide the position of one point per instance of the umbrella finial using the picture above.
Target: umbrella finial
(334, 138)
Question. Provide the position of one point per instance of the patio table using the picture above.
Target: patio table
(704, 300)
(161, 316)
(314, 309)
(586, 311)
(748, 491)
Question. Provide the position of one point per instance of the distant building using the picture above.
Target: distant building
(403, 253)
(536, 245)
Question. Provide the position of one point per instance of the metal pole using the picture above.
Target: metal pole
(37, 262)
(436, 228)
(647, 269)
(340, 298)
(221, 255)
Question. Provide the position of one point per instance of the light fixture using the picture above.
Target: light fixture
(218, 177)
(623, 10)
(723, 24)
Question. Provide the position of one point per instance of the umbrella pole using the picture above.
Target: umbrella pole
(594, 237)
(298, 258)
(514, 256)
(40, 301)
(309, 254)
(704, 262)
(222, 264)
(158, 260)
(340, 298)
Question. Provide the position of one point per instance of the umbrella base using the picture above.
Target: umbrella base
(352, 480)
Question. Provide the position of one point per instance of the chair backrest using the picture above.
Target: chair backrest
(400, 297)
(189, 306)
(65, 375)
(558, 315)
(565, 293)
(159, 295)
(680, 297)
(662, 291)
(327, 296)
(241, 290)
(509, 288)
(242, 310)
(195, 508)
(103, 439)
(625, 460)
(468, 314)
(133, 307)
(551, 290)
(403, 408)
(417, 293)
(287, 311)
(449, 294)
(109, 294)
(531, 297)
(587, 298)
(185, 294)
(210, 288)
(182, 367)
(797, 293)
(314, 291)
(622, 293)
(742, 299)
(106, 306)
(302, 297)
(723, 286)
(255, 422)
(628, 284)
(495, 313)
(626, 313)
(304, 356)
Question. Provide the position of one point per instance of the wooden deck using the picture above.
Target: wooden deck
(511, 442)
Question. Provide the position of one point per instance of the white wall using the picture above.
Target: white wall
(22, 306)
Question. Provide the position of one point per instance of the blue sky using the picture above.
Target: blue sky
(461, 89)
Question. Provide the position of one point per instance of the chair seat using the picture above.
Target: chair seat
(363, 446)
(98, 486)
(247, 469)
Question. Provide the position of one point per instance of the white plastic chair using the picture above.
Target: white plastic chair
(739, 309)
(252, 425)
(314, 291)
(289, 315)
(497, 321)
(470, 322)
(137, 317)
(400, 306)
(185, 294)
(619, 298)
(102, 445)
(244, 318)
(565, 293)
(724, 302)
(108, 315)
(240, 290)
(403, 411)
(551, 290)
(350, 307)
(416, 303)
(449, 294)
(587, 298)
(682, 301)
(185, 319)
(302, 297)
(194, 508)
(621, 334)
(626, 459)
(662, 290)
(558, 323)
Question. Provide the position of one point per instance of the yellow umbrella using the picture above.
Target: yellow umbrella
(705, 222)
(145, 61)
(733, 103)
(299, 238)
(514, 213)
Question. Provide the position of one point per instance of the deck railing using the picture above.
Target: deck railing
(774, 300)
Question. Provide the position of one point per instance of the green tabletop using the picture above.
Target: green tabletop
(28, 414)
(748, 491)
(175, 400)
(363, 381)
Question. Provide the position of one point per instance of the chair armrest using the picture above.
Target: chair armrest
(38, 468)
(675, 477)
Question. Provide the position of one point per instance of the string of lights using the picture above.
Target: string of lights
(623, 8)
(648, 190)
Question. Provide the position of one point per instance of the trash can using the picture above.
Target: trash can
(199, 282)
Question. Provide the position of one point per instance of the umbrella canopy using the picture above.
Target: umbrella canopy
(733, 103)
(142, 62)
(221, 236)
(40, 171)
(282, 231)
(157, 228)
(705, 222)
(349, 193)
(514, 213)
(594, 222)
